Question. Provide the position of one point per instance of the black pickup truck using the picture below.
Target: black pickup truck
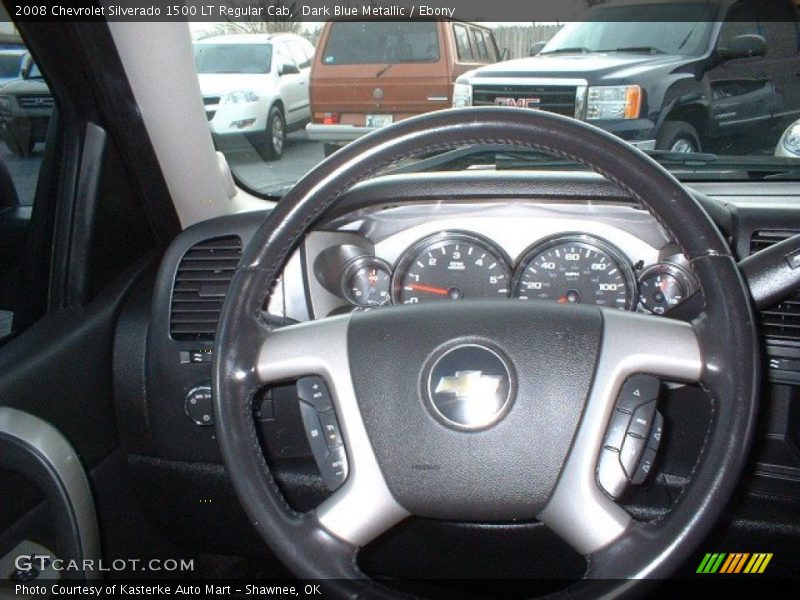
(687, 77)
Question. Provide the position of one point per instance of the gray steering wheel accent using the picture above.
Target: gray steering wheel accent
(363, 507)
(51, 449)
(578, 510)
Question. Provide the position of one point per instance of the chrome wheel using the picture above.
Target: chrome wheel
(277, 133)
(683, 145)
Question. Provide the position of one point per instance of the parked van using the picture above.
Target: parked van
(367, 75)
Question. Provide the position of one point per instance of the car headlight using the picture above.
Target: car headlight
(241, 97)
(614, 102)
(5, 103)
(462, 95)
(791, 139)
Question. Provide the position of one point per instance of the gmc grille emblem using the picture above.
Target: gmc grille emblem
(518, 102)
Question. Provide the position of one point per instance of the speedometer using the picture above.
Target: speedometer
(451, 266)
(576, 269)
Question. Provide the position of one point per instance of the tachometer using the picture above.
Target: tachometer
(576, 269)
(451, 266)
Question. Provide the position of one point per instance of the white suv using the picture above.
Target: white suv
(255, 87)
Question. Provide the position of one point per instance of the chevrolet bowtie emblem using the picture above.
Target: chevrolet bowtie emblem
(469, 384)
(469, 387)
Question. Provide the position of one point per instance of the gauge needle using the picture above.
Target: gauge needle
(427, 288)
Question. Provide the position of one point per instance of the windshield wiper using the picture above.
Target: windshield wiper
(682, 159)
(571, 50)
(636, 49)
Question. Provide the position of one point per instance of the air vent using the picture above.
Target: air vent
(781, 321)
(202, 280)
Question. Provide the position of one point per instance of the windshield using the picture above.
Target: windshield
(381, 42)
(10, 65)
(713, 81)
(233, 58)
(638, 28)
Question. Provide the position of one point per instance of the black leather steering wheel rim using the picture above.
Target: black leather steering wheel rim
(726, 334)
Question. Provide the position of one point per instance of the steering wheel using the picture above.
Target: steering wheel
(532, 451)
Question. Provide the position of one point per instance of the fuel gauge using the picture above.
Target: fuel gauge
(662, 287)
(367, 282)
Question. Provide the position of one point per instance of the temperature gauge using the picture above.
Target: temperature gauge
(663, 286)
(367, 282)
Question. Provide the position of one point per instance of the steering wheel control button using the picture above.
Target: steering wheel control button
(330, 428)
(645, 467)
(198, 405)
(617, 430)
(469, 387)
(314, 391)
(654, 441)
(334, 470)
(322, 430)
(631, 453)
(642, 420)
(610, 475)
(638, 390)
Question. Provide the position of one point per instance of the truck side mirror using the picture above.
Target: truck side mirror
(536, 48)
(288, 69)
(746, 45)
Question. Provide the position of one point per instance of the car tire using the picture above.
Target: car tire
(678, 136)
(274, 135)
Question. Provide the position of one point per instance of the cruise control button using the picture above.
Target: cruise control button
(642, 420)
(314, 391)
(645, 466)
(654, 441)
(631, 453)
(314, 433)
(617, 429)
(330, 427)
(334, 470)
(636, 391)
(610, 475)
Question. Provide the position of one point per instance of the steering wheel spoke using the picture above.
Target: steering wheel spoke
(363, 507)
(580, 510)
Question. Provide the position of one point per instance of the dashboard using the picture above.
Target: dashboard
(409, 239)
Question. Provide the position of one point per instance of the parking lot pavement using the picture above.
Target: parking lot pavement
(274, 177)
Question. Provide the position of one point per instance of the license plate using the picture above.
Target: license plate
(379, 120)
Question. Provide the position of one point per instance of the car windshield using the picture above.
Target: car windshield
(711, 80)
(10, 65)
(381, 42)
(233, 58)
(638, 28)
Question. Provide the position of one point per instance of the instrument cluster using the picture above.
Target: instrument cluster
(568, 268)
